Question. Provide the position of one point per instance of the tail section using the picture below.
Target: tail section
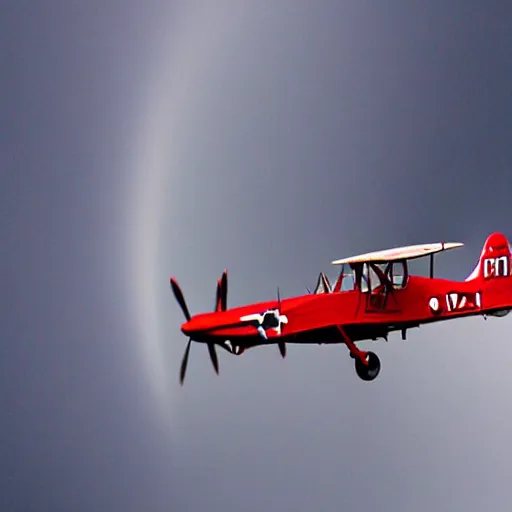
(495, 259)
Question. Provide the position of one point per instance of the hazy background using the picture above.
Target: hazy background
(141, 140)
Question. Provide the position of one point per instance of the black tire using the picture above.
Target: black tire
(368, 372)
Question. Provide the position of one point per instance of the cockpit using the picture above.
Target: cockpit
(366, 277)
(376, 275)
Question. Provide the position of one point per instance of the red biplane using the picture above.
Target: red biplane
(373, 296)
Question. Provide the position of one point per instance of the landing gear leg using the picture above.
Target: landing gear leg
(367, 363)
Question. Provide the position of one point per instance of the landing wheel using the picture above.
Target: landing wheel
(370, 371)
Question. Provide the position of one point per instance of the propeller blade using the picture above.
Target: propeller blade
(282, 348)
(213, 357)
(184, 362)
(180, 299)
(224, 290)
(218, 304)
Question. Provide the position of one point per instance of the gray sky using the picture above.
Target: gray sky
(143, 140)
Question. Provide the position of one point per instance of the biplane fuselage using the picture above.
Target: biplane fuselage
(375, 297)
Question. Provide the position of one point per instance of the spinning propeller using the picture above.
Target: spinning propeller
(220, 305)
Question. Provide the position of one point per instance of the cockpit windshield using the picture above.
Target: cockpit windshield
(346, 280)
(349, 279)
(369, 277)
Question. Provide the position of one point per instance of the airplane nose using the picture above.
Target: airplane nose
(186, 328)
(194, 326)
